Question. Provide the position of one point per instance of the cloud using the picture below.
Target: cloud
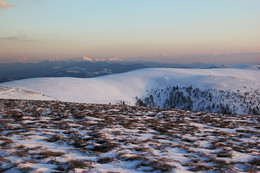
(16, 38)
(85, 58)
(115, 59)
(100, 59)
(4, 4)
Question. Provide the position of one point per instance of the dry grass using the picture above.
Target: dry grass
(145, 138)
(48, 153)
(5, 141)
(104, 160)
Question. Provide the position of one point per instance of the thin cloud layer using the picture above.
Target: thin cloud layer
(85, 58)
(17, 38)
(4, 4)
(20, 37)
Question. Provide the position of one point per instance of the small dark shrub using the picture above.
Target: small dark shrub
(105, 160)
(48, 153)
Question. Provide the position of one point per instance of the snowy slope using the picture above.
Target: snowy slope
(13, 93)
(127, 86)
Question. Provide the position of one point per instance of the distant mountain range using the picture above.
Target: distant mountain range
(84, 67)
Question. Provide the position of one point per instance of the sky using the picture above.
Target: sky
(178, 31)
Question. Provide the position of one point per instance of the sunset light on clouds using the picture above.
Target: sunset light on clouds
(4, 4)
(129, 86)
(178, 30)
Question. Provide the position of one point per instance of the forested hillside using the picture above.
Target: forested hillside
(209, 100)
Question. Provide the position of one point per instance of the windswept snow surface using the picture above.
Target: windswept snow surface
(13, 93)
(127, 86)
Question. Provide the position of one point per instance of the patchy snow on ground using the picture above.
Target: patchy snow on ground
(52, 136)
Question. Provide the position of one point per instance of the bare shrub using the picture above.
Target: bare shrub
(105, 147)
(48, 153)
(72, 164)
(6, 141)
(161, 166)
(21, 153)
(105, 160)
(224, 154)
(126, 157)
(255, 161)
(54, 138)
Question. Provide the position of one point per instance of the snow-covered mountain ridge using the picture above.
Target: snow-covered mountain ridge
(14, 93)
(234, 84)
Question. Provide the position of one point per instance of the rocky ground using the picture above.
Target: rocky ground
(51, 136)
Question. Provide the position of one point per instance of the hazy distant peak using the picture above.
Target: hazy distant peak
(235, 66)
(85, 58)
(246, 66)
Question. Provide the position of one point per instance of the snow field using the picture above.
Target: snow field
(127, 86)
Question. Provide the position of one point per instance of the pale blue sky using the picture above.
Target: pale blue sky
(39, 29)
